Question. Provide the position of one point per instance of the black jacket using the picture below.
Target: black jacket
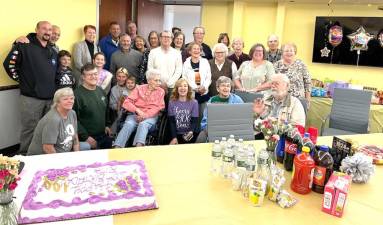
(34, 67)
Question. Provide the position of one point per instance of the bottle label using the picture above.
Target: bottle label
(216, 154)
(241, 164)
(250, 167)
(319, 175)
(311, 178)
(227, 158)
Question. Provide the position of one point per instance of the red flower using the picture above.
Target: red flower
(12, 186)
(3, 174)
(1, 185)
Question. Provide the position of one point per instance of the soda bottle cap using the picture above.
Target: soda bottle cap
(307, 135)
(305, 149)
(216, 141)
(323, 148)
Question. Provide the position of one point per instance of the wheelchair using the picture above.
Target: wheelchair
(157, 134)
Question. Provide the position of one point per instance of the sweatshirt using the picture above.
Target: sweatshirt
(34, 67)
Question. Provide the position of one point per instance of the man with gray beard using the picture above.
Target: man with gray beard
(280, 104)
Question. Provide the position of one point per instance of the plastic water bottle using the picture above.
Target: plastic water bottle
(227, 162)
(251, 150)
(216, 155)
(240, 159)
(223, 144)
(231, 140)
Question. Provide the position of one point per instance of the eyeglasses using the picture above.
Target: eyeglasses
(219, 52)
(95, 74)
(199, 33)
(166, 37)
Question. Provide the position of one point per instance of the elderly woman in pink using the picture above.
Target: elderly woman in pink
(143, 105)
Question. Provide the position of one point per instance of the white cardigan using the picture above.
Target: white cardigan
(204, 71)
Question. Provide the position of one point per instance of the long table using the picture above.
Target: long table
(188, 194)
(320, 108)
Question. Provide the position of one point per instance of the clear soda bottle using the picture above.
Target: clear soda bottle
(227, 162)
(216, 155)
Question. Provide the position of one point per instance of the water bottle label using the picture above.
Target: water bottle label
(250, 167)
(227, 158)
(216, 154)
(241, 164)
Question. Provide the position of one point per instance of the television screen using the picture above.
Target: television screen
(332, 44)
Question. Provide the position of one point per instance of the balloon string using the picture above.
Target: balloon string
(357, 60)
(331, 10)
(332, 54)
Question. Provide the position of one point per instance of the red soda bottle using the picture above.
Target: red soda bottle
(303, 172)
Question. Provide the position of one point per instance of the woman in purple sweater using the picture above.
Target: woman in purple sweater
(183, 114)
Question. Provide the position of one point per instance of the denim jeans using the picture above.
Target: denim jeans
(129, 126)
(84, 146)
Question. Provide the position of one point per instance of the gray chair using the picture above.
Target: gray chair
(349, 113)
(248, 97)
(226, 119)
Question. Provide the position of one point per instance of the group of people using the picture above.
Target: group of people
(128, 80)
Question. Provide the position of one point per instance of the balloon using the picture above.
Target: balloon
(359, 39)
(335, 35)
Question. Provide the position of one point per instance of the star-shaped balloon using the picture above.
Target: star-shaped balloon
(324, 52)
(359, 39)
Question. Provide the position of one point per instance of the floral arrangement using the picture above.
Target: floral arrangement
(9, 173)
(272, 129)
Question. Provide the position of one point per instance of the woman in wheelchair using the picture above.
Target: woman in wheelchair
(143, 104)
(183, 114)
(224, 86)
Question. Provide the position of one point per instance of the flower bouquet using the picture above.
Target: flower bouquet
(272, 130)
(9, 176)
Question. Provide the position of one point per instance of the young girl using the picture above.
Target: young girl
(64, 76)
(183, 114)
(125, 85)
(104, 76)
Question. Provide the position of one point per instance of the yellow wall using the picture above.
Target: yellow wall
(218, 16)
(19, 17)
(260, 20)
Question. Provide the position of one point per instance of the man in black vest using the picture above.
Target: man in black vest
(34, 66)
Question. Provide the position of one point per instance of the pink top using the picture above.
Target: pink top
(149, 102)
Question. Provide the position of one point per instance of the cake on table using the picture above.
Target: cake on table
(87, 190)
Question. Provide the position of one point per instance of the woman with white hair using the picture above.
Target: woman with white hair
(143, 106)
(224, 96)
(254, 75)
(220, 66)
(57, 130)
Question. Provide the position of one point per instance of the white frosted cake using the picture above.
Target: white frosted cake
(86, 191)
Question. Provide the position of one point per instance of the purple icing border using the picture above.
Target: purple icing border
(26, 220)
(28, 202)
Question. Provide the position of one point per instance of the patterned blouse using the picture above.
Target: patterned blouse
(300, 79)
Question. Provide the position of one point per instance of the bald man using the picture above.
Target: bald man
(34, 66)
(274, 53)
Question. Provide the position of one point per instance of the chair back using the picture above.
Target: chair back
(350, 110)
(248, 97)
(226, 119)
(304, 104)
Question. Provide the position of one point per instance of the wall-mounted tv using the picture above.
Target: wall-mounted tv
(331, 44)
